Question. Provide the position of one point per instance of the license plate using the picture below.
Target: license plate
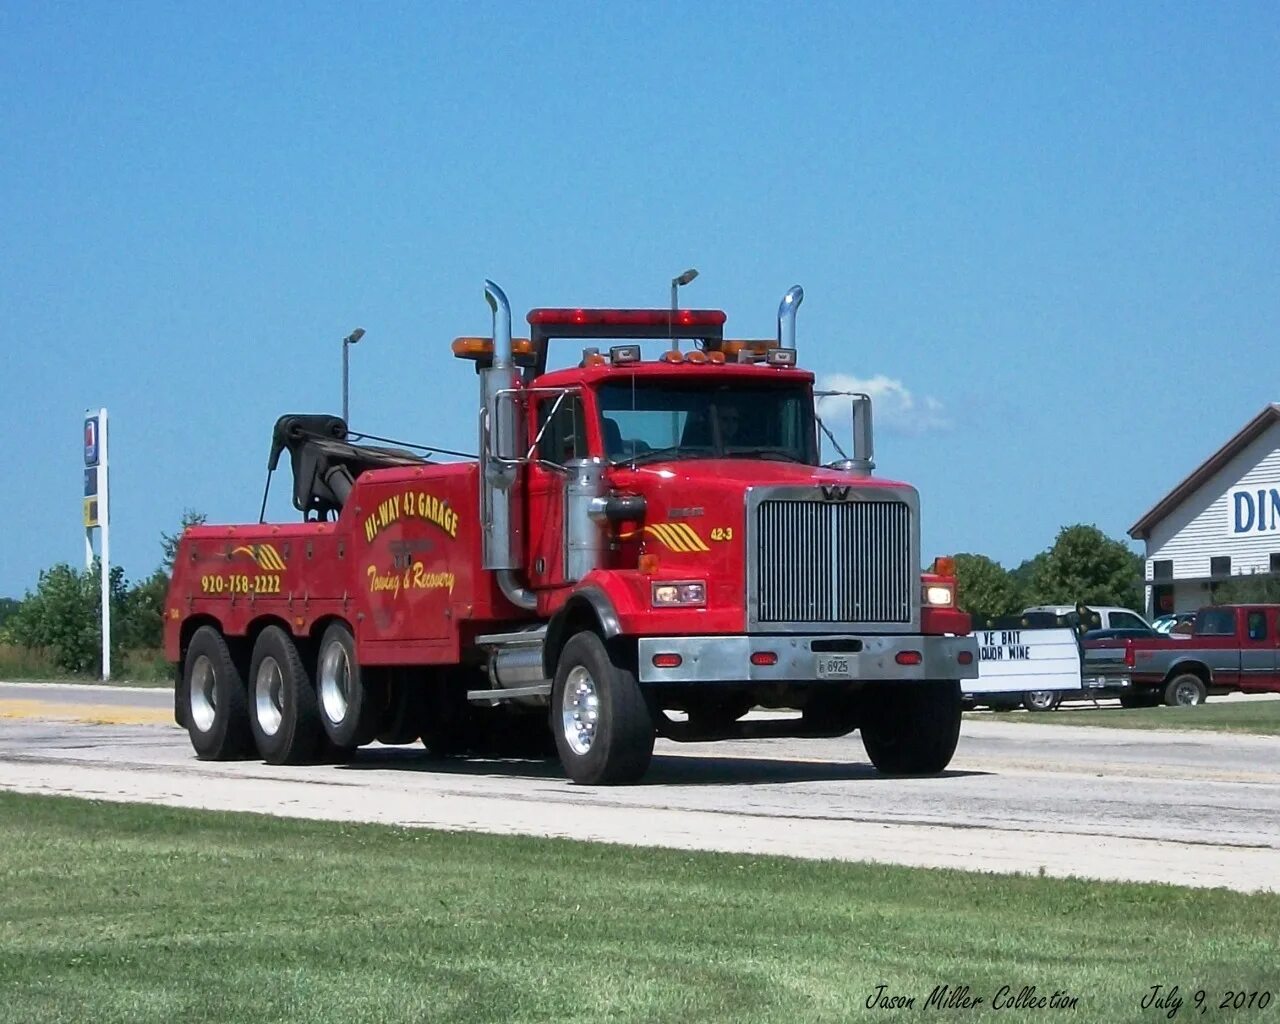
(836, 666)
(1094, 682)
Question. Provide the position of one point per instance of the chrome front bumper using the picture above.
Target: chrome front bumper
(723, 659)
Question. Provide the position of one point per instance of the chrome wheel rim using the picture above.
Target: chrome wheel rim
(1040, 698)
(203, 698)
(1187, 695)
(335, 683)
(268, 696)
(580, 710)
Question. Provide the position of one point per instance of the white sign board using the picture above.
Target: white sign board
(1253, 510)
(1017, 660)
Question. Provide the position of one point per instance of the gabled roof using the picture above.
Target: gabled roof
(1254, 429)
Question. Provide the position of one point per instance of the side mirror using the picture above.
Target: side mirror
(863, 461)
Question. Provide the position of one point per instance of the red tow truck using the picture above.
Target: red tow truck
(641, 548)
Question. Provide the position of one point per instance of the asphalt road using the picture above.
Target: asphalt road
(1199, 809)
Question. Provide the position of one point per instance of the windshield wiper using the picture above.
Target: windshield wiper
(652, 455)
(765, 453)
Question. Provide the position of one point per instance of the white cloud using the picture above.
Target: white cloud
(894, 406)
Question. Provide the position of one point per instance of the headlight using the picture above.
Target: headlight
(939, 596)
(679, 595)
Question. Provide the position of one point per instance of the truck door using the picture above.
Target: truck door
(1219, 641)
(1258, 650)
(559, 425)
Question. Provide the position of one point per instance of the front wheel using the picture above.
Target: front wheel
(1185, 691)
(912, 728)
(1041, 700)
(603, 727)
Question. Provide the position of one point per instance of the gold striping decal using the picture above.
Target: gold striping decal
(264, 555)
(679, 537)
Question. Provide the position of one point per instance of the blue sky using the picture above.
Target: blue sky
(1050, 229)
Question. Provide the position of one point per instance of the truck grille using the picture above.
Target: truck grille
(824, 561)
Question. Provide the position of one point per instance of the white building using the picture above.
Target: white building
(1223, 520)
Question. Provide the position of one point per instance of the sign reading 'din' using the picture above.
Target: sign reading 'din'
(1253, 510)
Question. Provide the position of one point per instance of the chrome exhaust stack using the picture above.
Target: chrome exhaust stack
(787, 310)
(500, 453)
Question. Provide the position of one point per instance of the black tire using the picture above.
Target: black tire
(400, 720)
(912, 728)
(283, 710)
(349, 699)
(602, 724)
(832, 712)
(1140, 699)
(216, 707)
(1185, 691)
(449, 726)
(507, 733)
(716, 713)
(1041, 700)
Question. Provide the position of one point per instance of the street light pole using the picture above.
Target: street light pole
(347, 342)
(676, 283)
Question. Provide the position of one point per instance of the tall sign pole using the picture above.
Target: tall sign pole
(97, 515)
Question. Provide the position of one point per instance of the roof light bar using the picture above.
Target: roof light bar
(747, 351)
(482, 348)
(628, 317)
(781, 357)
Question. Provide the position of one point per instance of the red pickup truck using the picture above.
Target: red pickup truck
(1233, 647)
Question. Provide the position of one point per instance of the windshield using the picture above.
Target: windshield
(645, 421)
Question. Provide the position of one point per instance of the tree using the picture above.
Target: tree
(1085, 565)
(169, 541)
(1025, 572)
(64, 616)
(984, 588)
(1256, 588)
(143, 625)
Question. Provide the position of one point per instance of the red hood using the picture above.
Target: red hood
(741, 473)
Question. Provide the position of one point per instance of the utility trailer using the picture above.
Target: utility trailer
(643, 547)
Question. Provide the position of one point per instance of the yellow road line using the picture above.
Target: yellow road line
(98, 714)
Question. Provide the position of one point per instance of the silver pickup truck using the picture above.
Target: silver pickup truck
(1233, 647)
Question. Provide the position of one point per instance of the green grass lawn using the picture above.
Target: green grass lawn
(1251, 716)
(130, 913)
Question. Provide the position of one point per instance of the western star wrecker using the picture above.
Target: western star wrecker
(641, 548)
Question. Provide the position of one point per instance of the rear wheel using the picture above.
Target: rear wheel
(912, 728)
(1041, 700)
(217, 711)
(348, 698)
(283, 712)
(603, 727)
(833, 712)
(1185, 691)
